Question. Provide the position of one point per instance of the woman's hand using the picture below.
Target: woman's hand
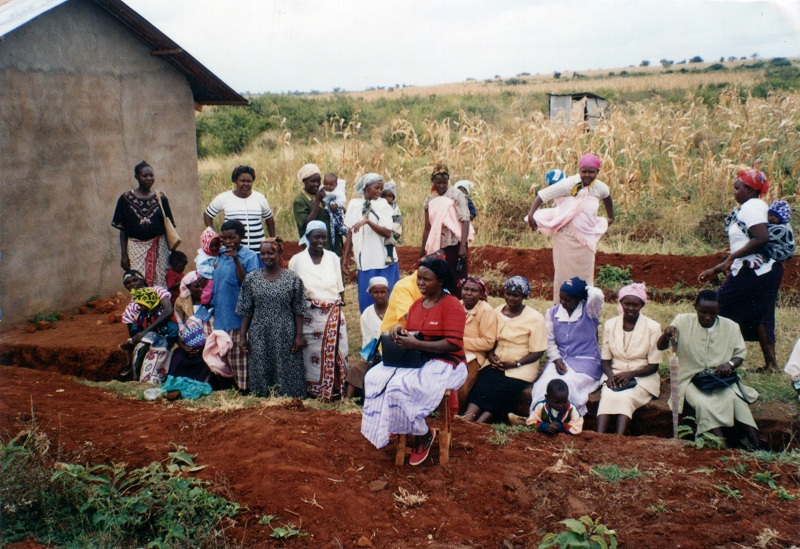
(357, 227)
(723, 370)
(406, 340)
(620, 380)
(242, 345)
(462, 250)
(493, 358)
(396, 331)
(671, 332)
(231, 252)
(125, 263)
(532, 223)
(135, 340)
(298, 344)
(561, 368)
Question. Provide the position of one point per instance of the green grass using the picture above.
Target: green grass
(611, 472)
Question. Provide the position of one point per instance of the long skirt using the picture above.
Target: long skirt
(325, 354)
(720, 408)
(749, 300)
(623, 402)
(579, 385)
(397, 400)
(392, 274)
(496, 393)
(570, 258)
(151, 258)
(237, 361)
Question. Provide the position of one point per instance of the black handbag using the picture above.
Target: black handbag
(707, 381)
(631, 384)
(396, 357)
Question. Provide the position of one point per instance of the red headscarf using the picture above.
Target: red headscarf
(755, 180)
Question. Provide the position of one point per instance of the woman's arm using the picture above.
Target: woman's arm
(125, 261)
(299, 342)
(208, 220)
(609, 204)
(462, 248)
(271, 226)
(670, 333)
(163, 318)
(760, 237)
(243, 329)
(407, 340)
(425, 233)
(537, 203)
(348, 247)
(509, 364)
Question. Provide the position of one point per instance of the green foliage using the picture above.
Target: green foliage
(611, 472)
(703, 440)
(503, 433)
(783, 494)
(731, 493)
(102, 505)
(613, 278)
(715, 67)
(766, 477)
(583, 533)
(287, 531)
(49, 317)
(657, 509)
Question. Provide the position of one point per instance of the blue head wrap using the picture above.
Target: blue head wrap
(312, 226)
(518, 284)
(575, 288)
(553, 176)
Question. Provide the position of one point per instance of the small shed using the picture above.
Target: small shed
(577, 108)
(88, 88)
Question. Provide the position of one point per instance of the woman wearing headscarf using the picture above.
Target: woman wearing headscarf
(324, 326)
(480, 333)
(194, 326)
(572, 349)
(308, 205)
(513, 364)
(447, 223)
(369, 225)
(574, 224)
(749, 292)
(142, 232)
(273, 307)
(397, 400)
(630, 360)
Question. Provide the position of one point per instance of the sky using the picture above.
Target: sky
(278, 46)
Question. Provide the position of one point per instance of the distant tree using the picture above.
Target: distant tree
(754, 55)
(732, 58)
(470, 79)
(722, 59)
(612, 73)
(556, 74)
(497, 76)
(780, 62)
(524, 74)
(667, 63)
(337, 90)
(696, 59)
(681, 62)
(644, 63)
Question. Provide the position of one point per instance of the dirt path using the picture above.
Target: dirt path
(313, 468)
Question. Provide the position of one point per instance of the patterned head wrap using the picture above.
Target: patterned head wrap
(307, 171)
(575, 288)
(146, 297)
(518, 284)
(390, 186)
(438, 254)
(207, 237)
(188, 279)
(278, 241)
(637, 289)
(312, 226)
(553, 176)
(781, 210)
(477, 281)
(192, 334)
(755, 180)
(466, 185)
(377, 281)
(589, 161)
(439, 169)
(365, 181)
(131, 273)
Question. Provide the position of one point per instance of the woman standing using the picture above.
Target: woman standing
(245, 205)
(574, 224)
(630, 360)
(480, 333)
(397, 400)
(308, 206)
(272, 306)
(324, 326)
(514, 362)
(749, 292)
(572, 343)
(369, 224)
(142, 234)
(447, 223)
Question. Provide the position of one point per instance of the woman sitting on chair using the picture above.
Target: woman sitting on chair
(398, 399)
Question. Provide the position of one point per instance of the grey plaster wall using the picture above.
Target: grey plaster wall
(81, 102)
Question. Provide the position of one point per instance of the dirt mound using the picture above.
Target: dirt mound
(313, 468)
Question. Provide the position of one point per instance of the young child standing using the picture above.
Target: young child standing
(206, 261)
(335, 201)
(390, 195)
(177, 264)
(556, 414)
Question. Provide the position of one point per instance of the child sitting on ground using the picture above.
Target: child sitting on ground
(390, 195)
(556, 414)
(206, 261)
(177, 264)
(335, 201)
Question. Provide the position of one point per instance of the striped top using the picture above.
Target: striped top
(250, 211)
(131, 313)
(445, 320)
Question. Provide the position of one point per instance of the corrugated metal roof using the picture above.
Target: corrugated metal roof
(207, 88)
(576, 95)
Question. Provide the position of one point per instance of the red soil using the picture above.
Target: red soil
(313, 468)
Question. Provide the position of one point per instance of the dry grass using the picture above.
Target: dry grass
(409, 499)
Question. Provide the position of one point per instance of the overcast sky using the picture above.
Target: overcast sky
(286, 45)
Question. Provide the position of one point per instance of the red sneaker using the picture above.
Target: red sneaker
(422, 448)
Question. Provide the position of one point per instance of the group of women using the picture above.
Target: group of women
(288, 333)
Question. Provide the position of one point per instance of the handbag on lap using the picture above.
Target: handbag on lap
(396, 357)
(708, 382)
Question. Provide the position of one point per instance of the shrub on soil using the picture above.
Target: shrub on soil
(73, 505)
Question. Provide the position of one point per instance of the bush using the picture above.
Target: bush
(696, 59)
(715, 67)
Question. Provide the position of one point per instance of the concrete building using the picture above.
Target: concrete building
(88, 88)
